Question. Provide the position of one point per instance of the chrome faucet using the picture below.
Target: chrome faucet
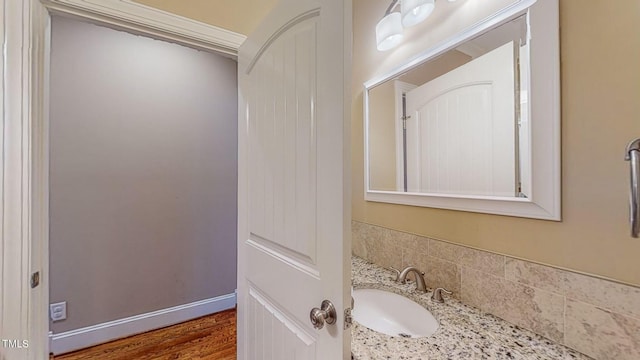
(420, 283)
(437, 294)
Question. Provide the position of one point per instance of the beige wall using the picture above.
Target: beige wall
(143, 174)
(382, 136)
(241, 16)
(600, 53)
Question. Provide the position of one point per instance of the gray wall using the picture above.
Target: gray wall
(143, 174)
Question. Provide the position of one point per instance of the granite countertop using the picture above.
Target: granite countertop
(464, 333)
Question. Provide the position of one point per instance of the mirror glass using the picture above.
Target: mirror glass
(472, 123)
(458, 123)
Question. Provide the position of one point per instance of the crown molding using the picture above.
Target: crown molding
(136, 17)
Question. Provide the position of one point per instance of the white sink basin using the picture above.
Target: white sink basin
(392, 314)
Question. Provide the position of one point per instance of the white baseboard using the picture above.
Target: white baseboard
(97, 334)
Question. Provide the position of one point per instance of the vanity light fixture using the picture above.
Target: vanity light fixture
(389, 29)
(414, 11)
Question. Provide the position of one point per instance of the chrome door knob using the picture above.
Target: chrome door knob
(326, 314)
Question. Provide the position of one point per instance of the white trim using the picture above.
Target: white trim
(24, 134)
(23, 185)
(544, 95)
(160, 24)
(40, 37)
(97, 334)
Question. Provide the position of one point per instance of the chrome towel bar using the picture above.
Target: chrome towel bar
(633, 156)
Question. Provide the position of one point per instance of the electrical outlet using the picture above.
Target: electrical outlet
(58, 311)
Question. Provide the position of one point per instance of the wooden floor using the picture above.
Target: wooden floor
(210, 337)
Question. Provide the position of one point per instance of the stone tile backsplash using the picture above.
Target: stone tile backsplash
(596, 317)
(600, 333)
(486, 262)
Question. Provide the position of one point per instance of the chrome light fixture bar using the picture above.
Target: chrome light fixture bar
(389, 28)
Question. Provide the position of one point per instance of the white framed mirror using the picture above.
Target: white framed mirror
(473, 123)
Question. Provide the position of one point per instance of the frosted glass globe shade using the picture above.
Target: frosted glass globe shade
(389, 31)
(414, 11)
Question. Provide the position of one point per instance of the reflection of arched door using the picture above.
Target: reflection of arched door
(461, 131)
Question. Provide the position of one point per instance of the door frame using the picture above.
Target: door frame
(25, 27)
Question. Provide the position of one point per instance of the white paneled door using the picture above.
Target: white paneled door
(461, 131)
(294, 213)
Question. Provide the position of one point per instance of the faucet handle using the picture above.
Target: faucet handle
(397, 273)
(437, 294)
